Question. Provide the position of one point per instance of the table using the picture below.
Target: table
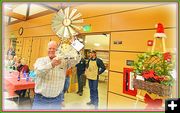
(12, 84)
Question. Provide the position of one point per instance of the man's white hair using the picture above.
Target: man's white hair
(53, 43)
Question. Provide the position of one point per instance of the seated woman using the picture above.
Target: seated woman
(22, 68)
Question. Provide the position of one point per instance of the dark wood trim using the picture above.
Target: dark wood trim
(28, 10)
(16, 15)
(14, 22)
(9, 20)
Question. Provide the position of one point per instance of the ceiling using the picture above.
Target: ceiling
(97, 42)
(17, 12)
(25, 11)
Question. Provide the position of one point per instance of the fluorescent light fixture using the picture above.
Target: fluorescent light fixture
(97, 44)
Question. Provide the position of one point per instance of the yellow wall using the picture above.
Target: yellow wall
(134, 28)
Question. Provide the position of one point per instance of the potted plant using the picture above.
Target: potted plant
(155, 68)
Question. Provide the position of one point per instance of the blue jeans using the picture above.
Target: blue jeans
(41, 102)
(93, 86)
(80, 82)
(66, 86)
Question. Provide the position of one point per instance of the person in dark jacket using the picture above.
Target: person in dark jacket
(81, 67)
(95, 67)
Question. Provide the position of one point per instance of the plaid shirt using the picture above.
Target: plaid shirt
(49, 81)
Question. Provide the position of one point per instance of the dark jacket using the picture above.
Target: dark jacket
(100, 65)
(81, 67)
(23, 68)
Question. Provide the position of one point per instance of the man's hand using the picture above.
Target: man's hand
(55, 61)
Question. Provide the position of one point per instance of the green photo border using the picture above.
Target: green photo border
(83, 1)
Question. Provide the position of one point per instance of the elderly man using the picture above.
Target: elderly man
(49, 82)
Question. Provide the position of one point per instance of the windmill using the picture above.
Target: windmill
(65, 23)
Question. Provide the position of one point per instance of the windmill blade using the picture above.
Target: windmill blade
(76, 16)
(61, 13)
(57, 27)
(66, 32)
(57, 17)
(60, 31)
(56, 22)
(77, 21)
(53, 24)
(72, 13)
(66, 12)
(76, 27)
(72, 31)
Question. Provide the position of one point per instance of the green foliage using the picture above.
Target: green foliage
(155, 61)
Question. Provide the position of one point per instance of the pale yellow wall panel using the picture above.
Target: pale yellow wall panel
(43, 51)
(118, 60)
(145, 18)
(99, 24)
(38, 31)
(123, 103)
(35, 51)
(26, 52)
(137, 40)
(19, 42)
(95, 9)
(18, 50)
(39, 21)
(116, 82)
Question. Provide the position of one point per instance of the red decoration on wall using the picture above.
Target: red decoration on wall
(152, 104)
(150, 43)
(128, 82)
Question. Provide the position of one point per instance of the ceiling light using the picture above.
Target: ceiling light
(97, 44)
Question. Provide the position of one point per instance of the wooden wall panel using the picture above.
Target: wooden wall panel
(118, 60)
(99, 24)
(19, 41)
(43, 20)
(18, 50)
(26, 51)
(116, 82)
(145, 18)
(123, 103)
(137, 40)
(43, 49)
(38, 31)
(35, 51)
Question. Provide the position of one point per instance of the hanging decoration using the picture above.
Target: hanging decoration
(155, 70)
(66, 25)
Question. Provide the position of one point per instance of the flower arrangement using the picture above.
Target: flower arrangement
(155, 67)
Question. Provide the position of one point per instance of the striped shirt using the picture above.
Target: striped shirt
(49, 81)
